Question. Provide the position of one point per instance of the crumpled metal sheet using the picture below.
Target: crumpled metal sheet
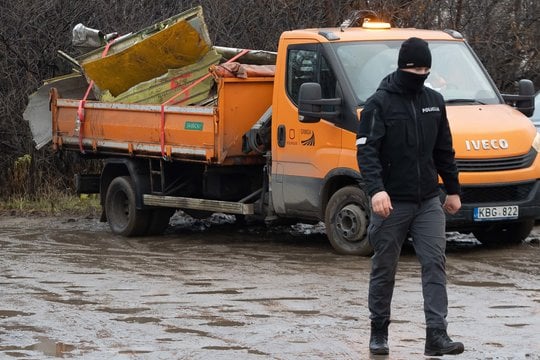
(162, 88)
(37, 111)
(173, 43)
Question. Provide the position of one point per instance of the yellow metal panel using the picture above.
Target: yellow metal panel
(161, 89)
(173, 47)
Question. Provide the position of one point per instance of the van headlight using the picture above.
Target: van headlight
(536, 142)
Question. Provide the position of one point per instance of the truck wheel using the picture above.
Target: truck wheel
(159, 220)
(505, 233)
(346, 221)
(122, 214)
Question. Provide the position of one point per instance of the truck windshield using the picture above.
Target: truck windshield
(455, 72)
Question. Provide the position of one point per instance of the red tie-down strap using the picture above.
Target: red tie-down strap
(82, 103)
(170, 101)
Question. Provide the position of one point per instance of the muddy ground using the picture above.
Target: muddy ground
(211, 290)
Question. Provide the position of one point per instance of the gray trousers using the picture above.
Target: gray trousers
(425, 222)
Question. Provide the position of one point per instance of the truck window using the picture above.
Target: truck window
(455, 72)
(305, 63)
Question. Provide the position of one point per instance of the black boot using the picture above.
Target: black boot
(438, 343)
(378, 341)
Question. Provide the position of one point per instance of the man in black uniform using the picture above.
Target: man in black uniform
(403, 144)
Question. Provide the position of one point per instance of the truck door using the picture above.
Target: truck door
(302, 154)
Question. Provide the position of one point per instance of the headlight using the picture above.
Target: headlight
(536, 142)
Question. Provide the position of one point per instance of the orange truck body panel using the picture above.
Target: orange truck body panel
(210, 134)
(499, 122)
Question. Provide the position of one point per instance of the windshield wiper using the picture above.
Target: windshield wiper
(469, 101)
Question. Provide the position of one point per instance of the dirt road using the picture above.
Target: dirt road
(68, 288)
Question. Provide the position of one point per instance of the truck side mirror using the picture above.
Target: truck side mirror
(524, 101)
(311, 104)
(526, 88)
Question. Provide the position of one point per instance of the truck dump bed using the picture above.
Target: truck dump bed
(208, 134)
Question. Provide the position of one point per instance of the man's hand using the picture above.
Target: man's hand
(381, 204)
(452, 204)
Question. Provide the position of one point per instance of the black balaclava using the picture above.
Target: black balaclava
(414, 52)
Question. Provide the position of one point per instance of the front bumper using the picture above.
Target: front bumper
(524, 194)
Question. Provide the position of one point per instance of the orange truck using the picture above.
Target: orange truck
(283, 147)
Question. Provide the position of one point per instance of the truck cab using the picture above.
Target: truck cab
(323, 78)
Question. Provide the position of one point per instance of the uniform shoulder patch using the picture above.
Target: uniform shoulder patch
(361, 141)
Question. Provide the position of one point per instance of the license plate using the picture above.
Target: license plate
(496, 212)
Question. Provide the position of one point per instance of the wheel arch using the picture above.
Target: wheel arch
(333, 181)
(137, 170)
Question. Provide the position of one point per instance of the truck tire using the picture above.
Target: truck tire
(511, 233)
(122, 214)
(346, 221)
(159, 220)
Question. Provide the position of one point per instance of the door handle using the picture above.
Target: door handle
(281, 135)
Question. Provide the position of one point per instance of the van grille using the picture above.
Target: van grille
(509, 163)
(504, 193)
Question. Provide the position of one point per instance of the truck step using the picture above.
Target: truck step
(179, 202)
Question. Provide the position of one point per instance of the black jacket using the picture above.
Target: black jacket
(404, 141)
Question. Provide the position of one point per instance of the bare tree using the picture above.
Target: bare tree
(505, 34)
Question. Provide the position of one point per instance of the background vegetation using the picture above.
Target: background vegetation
(504, 33)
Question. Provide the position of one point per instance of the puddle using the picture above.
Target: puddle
(236, 348)
(124, 289)
(177, 330)
(225, 292)
(139, 319)
(155, 295)
(122, 310)
(305, 312)
(494, 344)
(481, 283)
(225, 323)
(134, 352)
(164, 302)
(278, 299)
(198, 284)
(19, 327)
(225, 347)
(12, 313)
(259, 316)
(16, 354)
(516, 325)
